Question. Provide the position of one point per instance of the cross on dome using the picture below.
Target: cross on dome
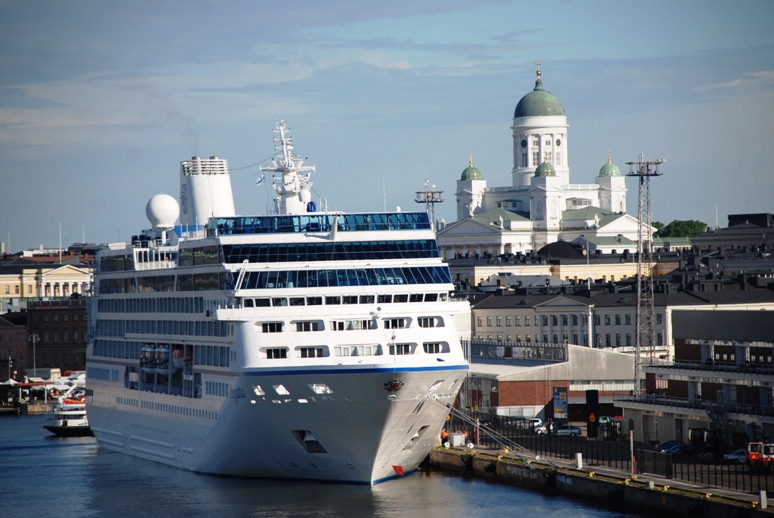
(538, 73)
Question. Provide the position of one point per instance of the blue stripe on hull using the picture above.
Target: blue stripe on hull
(273, 371)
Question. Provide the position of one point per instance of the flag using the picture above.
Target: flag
(398, 470)
(260, 179)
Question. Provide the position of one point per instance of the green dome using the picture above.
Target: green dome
(470, 172)
(544, 169)
(609, 169)
(538, 103)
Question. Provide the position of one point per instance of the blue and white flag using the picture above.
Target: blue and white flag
(260, 179)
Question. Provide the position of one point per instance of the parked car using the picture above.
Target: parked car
(542, 429)
(682, 449)
(605, 419)
(738, 456)
(664, 446)
(568, 429)
(535, 422)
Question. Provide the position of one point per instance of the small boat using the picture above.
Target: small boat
(68, 419)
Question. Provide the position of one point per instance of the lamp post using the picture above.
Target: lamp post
(34, 337)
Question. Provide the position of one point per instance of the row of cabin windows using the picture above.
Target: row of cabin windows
(119, 328)
(352, 325)
(278, 353)
(556, 319)
(152, 305)
(266, 302)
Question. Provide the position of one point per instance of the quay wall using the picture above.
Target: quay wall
(626, 493)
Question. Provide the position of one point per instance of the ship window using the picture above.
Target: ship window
(312, 352)
(384, 299)
(431, 297)
(352, 325)
(262, 303)
(349, 299)
(278, 353)
(281, 390)
(333, 301)
(314, 325)
(416, 297)
(430, 322)
(395, 323)
(272, 327)
(279, 301)
(400, 349)
(320, 388)
(366, 299)
(400, 298)
(314, 301)
(432, 347)
(248, 303)
(358, 350)
(297, 301)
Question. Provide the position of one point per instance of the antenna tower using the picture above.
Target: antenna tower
(646, 323)
(429, 198)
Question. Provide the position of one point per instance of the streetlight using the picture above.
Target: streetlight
(34, 337)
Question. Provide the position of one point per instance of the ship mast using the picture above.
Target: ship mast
(292, 184)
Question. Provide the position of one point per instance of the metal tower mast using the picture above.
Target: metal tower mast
(646, 323)
(429, 198)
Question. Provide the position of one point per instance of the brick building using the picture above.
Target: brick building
(13, 345)
(59, 329)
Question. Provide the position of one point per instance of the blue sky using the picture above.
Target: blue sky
(100, 101)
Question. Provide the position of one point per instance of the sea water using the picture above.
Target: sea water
(44, 475)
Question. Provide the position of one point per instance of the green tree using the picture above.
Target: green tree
(682, 228)
(658, 226)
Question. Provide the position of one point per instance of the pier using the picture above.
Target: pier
(601, 485)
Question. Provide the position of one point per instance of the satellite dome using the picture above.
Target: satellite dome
(305, 196)
(162, 211)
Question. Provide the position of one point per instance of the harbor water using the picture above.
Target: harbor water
(44, 474)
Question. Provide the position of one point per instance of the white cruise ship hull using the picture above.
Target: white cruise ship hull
(368, 433)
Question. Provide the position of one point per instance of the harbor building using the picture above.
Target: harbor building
(13, 345)
(720, 381)
(521, 379)
(540, 206)
(58, 334)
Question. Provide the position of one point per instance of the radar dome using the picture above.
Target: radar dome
(162, 211)
(305, 196)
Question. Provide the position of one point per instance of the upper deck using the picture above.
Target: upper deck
(321, 222)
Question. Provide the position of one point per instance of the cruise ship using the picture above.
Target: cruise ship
(302, 344)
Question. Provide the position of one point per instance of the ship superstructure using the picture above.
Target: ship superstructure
(302, 344)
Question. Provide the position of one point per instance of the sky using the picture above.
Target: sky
(100, 101)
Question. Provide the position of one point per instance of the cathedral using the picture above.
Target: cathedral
(541, 206)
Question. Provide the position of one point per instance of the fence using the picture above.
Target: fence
(701, 469)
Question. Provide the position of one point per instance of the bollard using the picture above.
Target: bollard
(763, 500)
(651, 484)
(579, 460)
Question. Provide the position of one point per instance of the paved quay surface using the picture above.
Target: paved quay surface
(658, 481)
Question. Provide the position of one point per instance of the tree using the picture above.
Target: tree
(682, 228)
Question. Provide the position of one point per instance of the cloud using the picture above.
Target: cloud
(762, 78)
(17, 98)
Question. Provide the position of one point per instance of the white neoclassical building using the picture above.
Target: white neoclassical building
(541, 206)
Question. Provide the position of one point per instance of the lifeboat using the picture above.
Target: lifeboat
(178, 359)
(162, 360)
(148, 359)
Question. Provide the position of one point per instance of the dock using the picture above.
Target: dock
(604, 486)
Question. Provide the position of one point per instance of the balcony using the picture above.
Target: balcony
(754, 374)
(697, 407)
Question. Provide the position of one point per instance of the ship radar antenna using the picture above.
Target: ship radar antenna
(292, 184)
(430, 197)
